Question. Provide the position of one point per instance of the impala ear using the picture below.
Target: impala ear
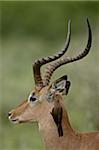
(61, 86)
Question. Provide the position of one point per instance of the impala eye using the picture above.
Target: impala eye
(32, 99)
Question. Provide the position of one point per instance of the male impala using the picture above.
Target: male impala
(45, 105)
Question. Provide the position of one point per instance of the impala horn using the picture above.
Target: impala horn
(38, 63)
(52, 67)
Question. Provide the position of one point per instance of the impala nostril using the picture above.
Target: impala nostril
(9, 114)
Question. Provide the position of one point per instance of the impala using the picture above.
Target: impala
(45, 104)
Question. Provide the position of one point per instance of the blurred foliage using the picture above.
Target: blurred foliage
(44, 18)
(30, 30)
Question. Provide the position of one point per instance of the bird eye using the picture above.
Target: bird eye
(32, 99)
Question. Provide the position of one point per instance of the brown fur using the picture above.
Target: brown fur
(39, 108)
(41, 112)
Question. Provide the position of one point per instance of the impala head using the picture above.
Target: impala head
(41, 100)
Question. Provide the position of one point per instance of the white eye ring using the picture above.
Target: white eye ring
(32, 98)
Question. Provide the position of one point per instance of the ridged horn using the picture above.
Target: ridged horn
(38, 63)
(52, 67)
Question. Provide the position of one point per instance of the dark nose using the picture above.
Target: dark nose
(9, 114)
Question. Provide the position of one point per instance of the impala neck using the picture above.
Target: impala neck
(50, 134)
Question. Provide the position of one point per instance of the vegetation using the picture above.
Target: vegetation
(30, 30)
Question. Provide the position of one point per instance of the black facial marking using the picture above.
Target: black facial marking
(33, 94)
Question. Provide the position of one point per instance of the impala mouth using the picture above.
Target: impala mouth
(14, 120)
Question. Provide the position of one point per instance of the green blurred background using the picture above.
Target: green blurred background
(30, 30)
